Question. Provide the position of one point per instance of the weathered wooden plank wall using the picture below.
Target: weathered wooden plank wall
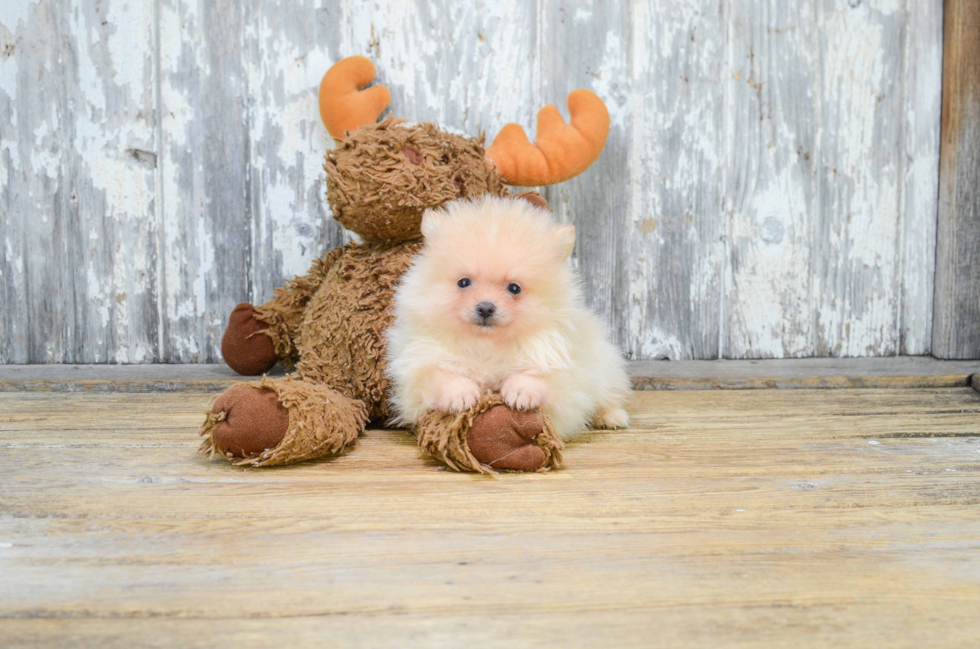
(957, 307)
(768, 189)
(78, 192)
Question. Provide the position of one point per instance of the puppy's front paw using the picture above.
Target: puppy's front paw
(458, 394)
(523, 392)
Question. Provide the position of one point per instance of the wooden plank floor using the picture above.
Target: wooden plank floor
(722, 518)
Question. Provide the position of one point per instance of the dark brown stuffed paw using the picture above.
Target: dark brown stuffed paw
(503, 438)
(246, 350)
(254, 420)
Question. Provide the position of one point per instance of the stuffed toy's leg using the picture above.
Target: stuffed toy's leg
(490, 436)
(281, 421)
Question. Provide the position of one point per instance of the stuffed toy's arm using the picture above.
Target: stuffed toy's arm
(284, 312)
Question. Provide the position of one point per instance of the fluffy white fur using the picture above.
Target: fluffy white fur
(541, 348)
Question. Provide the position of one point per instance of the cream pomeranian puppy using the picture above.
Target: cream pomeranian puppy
(490, 304)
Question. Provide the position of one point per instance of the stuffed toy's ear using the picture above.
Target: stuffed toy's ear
(564, 240)
(432, 222)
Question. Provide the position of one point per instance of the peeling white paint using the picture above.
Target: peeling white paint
(45, 157)
(121, 65)
(770, 276)
(858, 312)
(16, 13)
(288, 144)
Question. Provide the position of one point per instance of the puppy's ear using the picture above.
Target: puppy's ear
(564, 240)
(432, 222)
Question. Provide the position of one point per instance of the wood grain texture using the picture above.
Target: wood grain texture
(833, 132)
(78, 247)
(767, 191)
(957, 299)
(773, 198)
(34, 198)
(825, 518)
(204, 160)
(675, 224)
(807, 373)
(287, 48)
(598, 202)
(823, 373)
(922, 79)
(860, 171)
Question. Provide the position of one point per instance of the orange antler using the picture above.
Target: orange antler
(343, 105)
(560, 151)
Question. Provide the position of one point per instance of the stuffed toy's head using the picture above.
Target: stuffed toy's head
(382, 176)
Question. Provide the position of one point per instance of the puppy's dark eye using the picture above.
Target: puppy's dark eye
(513, 289)
(463, 283)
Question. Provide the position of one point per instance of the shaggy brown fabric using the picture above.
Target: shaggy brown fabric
(413, 154)
(245, 346)
(321, 422)
(444, 436)
(284, 312)
(377, 189)
(342, 342)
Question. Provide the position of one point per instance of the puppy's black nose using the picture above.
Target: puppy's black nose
(486, 309)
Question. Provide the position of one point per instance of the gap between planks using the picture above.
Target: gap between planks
(809, 373)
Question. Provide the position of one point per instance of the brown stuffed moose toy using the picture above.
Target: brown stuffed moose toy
(330, 323)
